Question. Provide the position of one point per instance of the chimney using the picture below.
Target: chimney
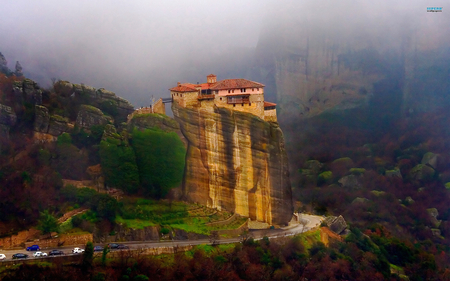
(178, 84)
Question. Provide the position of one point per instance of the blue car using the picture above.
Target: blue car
(33, 248)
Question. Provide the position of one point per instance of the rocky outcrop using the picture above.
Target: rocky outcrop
(336, 224)
(351, 182)
(46, 124)
(96, 97)
(8, 119)
(89, 116)
(151, 120)
(237, 162)
(27, 90)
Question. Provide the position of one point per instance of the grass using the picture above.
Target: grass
(134, 223)
(138, 213)
(309, 238)
(209, 250)
(76, 231)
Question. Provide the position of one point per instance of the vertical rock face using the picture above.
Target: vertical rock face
(237, 162)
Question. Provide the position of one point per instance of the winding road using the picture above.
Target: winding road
(309, 222)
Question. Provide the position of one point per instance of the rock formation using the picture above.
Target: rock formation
(8, 119)
(89, 116)
(336, 224)
(44, 123)
(237, 162)
(96, 97)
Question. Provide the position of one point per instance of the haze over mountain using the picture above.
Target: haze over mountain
(138, 49)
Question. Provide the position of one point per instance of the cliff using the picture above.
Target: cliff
(237, 162)
(324, 64)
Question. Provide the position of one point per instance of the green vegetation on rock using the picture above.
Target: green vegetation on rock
(160, 157)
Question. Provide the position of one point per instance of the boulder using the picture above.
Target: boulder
(57, 125)
(325, 177)
(378, 193)
(63, 88)
(336, 224)
(422, 172)
(313, 165)
(360, 200)
(89, 116)
(394, 173)
(351, 181)
(409, 200)
(433, 213)
(431, 159)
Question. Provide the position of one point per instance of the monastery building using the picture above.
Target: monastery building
(235, 94)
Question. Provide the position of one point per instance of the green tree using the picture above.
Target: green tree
(106, 250)
(160, 158)
(119, 165)
(88, 255)
(47, 223)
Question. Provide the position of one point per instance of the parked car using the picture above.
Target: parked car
(113, 245)
(19, 256)
(122, 247)
(33, 248)
(55, 253)
(2, 257)
(39, 254)
(98, 248)
(77, 250)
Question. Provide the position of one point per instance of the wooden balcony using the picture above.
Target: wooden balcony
(239, 99)
(205, 97)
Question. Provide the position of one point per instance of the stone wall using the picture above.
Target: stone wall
(186, 99)
(255, 107)
(62, 240)
(18, 239)
(159, 107)
(270, 115)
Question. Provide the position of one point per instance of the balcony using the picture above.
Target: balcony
(235, 100)
(205, 97)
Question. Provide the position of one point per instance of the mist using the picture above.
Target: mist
(140, 48)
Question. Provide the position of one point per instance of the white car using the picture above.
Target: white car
(77, 250)
(2, 257)
(39, 254)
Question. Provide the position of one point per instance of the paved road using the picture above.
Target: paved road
(310, 222)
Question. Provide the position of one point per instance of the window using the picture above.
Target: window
(220, 98)
(253, 89)
(234, 105)
(229, 91)
(232, 91)
(249, 104)
(181, 95)
(242, 104)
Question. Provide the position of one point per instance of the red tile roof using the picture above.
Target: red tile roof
(183, 88)
(204, 86)
(267, 104)
(235, 84)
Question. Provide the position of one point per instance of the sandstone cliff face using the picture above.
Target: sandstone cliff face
(237, 162)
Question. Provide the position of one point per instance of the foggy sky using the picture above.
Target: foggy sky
(142, 48)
